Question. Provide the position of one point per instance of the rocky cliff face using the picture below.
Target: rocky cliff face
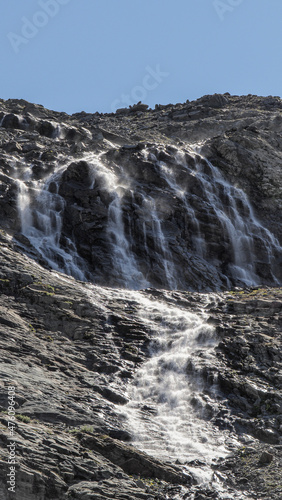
(133, 198)
(163, 393)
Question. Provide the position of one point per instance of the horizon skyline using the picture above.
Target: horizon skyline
(100, 56)
(149, 108)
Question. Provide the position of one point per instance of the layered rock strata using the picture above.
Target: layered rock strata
(71, 348)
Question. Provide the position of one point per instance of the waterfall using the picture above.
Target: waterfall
(171, 404)
(169, 175)
(214, 218)
(123, 258)
(125, 267)
(239, 224)
(161, 245)
(24, 207)
(241, 231)
(40, 209)
(173, 399)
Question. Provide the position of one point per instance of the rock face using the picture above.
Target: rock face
(173, 201)
(70, 351)
(129, 199)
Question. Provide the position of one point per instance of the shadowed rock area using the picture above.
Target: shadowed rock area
(183, 204)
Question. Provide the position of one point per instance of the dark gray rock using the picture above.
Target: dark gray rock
(265, 458)
(70, 350)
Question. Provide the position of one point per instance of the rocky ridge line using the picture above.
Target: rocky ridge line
(71, 354)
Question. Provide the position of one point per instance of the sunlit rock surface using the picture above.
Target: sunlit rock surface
(130, 383)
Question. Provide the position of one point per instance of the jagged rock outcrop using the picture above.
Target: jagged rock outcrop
(136, 173)
(70, 354)
(122, 200)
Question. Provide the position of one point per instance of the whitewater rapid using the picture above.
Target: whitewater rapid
(170, 399)
(174, 398)
(41, 210)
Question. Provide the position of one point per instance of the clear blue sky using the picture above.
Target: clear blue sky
(97, 55)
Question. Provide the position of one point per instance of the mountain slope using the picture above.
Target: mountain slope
(127, 382)
(130, 197)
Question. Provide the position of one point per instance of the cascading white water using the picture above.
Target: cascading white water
(169, 175)
(124, 260)
(168, 400)
(161, 245)
(171, 406)
(241, 229)
(24, 207)
(41, 210)
(41, 222)
(233, 211)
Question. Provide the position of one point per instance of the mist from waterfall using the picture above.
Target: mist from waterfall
(171, 402)
(174, 398)
(41, 210)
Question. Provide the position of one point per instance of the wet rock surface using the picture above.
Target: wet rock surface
(71, 348)
(70, 355)
(137, 169)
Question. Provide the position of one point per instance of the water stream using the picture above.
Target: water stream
(172, 406)
(41, 210)
(170, 399)
(174, 398)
